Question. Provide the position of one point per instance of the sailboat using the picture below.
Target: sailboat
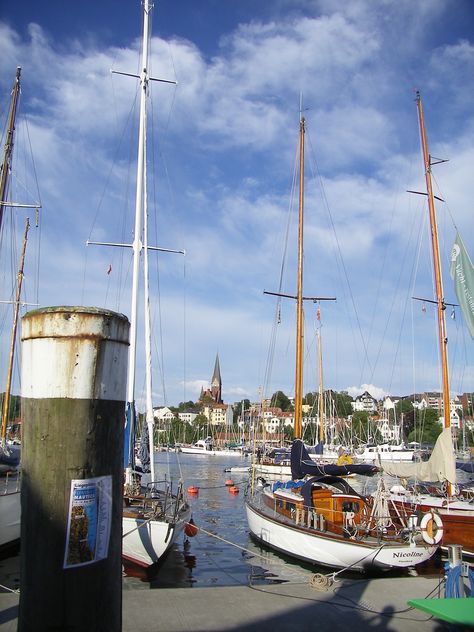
(456, 514)
(321, 519)
(154, 513)
(10, 510)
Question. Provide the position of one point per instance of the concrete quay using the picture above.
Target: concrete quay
(356, 604)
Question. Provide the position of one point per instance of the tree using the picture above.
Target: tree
(427, 427)
(363, 429)
(238, 410)
(14, 406)
(342, 403)
(183, 406)
(280, 400)
(310, 398)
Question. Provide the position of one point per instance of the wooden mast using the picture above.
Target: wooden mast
(299, 297)
(441, 306)
(443, 339)
(8, 151)
(16, 308)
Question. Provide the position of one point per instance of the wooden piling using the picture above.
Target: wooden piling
(74, 365)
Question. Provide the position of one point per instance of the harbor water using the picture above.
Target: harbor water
(223, 553)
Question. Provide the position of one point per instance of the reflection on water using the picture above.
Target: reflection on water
(210, 559)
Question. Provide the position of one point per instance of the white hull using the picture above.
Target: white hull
(149, 543)
(385, 453)
(327, 550)
(10, 512)
(204, 452)
(272, 470)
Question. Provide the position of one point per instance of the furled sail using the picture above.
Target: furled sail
(462, 272)
(441, 466)
(301, 464)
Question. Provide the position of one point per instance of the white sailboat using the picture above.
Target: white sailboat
(322, 520)
(154, 513)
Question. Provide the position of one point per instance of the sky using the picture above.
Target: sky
(223, 143)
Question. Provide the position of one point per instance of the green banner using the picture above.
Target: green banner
(462, 272)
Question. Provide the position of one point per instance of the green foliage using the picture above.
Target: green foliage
(426, 432)
(403, 406)
(201, 421)
(280, 400)
(288, 432)
(14, 408)
(184, 406)
(238, 409)
(364, 429)
(342, 403)
(427, 427)
(310, 398)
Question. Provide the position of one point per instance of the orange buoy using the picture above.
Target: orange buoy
(193, 490)
(190, 529)
(229, 482)
(234, 489)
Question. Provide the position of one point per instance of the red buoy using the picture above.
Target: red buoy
(229, 482)
(190, 529)
(234, 489)
(193, 490)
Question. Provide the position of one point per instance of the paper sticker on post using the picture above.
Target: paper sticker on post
(88, 528)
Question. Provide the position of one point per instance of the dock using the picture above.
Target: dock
(358, 604)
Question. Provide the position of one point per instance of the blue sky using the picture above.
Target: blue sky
(224, 141)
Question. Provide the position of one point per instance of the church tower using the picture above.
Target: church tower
(216, 383)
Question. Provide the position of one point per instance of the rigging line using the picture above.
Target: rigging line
(114, 160)
(408, 248)
(184, 329)
(105, 188)
(278, 303)
(157, 314)
(39, 210)
(339, 258)
(415, 268)
(393, 302)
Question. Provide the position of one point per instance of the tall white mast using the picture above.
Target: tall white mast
(140, 193)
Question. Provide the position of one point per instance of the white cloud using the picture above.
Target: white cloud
(376, 391)
(225, 142)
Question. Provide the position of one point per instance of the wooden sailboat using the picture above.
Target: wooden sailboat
(154, 513)
(456, 514)
(321, 519)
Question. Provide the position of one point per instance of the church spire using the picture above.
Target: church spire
(216, 382)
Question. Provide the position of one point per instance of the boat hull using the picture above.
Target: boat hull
(328, 550)
(457, 519)
(146, 542)
(10, 514)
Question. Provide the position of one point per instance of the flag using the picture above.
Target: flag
(318, 314)
(109, 269)
(462, 272)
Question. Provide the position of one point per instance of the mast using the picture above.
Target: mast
(441, 307)
(137, 243)
(299, 297)
(8, 151)
(16, 308)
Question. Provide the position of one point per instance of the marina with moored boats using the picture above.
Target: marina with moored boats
(327, 507)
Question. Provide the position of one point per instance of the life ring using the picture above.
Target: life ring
(431, 528)
(344, 459)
